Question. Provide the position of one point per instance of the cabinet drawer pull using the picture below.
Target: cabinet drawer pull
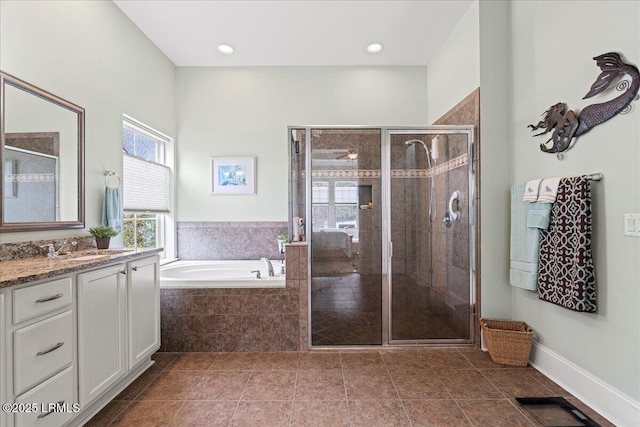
(44, 414)
(123, 272)
(134, 268)
(55, 347)
(56, 296)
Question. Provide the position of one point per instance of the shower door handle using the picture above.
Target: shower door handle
(390, 249)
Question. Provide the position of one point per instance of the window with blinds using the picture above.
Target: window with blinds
(145, 185)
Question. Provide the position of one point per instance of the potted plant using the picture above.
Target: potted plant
(282, 240)
(103, 234)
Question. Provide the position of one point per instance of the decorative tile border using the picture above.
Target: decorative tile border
(395, 173)
(353, 173)
(452, 164)
(30, 177)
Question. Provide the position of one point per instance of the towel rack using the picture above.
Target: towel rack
(595, 176)
(107, 175)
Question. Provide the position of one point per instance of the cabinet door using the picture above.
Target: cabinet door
(143, 293)
(101, 330)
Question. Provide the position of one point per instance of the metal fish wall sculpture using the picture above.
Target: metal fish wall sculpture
(567, 125)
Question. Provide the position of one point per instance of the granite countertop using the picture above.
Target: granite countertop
(18, 271)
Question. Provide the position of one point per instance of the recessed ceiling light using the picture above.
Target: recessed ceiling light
(226, 49)
(374, 48)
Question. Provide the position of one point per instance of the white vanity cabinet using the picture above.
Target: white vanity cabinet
(101, 330)
(71, 343)
(39, 358)
(143, 298)
(118, 323)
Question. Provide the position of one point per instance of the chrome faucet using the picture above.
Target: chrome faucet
(64, 244)
(269, 266)
(52, 252)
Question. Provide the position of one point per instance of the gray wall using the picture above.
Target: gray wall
(228, 112)
(607, 343)
(522, 73)
(91, 54)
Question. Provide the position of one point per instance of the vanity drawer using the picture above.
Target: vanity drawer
(41, 350)
(36, 300)
(58, 389)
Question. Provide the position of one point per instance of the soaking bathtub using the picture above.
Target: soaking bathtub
(220, 274)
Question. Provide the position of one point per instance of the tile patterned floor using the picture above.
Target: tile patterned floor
(347, 310)
(408, 387)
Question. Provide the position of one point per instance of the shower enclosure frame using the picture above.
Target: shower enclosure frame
(387, 247)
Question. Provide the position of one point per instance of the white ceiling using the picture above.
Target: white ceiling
(277, 33)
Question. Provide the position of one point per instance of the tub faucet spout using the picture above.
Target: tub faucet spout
(269, 266)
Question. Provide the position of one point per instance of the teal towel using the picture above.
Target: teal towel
(526, 221)
(111, 210)
(539, 215)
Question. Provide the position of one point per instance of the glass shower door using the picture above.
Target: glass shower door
(346, 256)
(430, 278)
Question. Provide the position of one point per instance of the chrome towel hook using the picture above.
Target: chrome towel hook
(109, 174)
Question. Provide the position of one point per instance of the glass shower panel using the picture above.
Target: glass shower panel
(346, 243)
(430, 273)
(297, 189)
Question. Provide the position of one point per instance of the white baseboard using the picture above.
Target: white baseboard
(598, 395)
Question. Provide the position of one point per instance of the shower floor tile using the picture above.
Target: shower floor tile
(347, 310)
(413, 387)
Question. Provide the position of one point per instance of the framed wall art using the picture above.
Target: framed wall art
(233, 175)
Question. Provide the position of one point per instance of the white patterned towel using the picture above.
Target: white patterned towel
(548, 190)
(531, 190)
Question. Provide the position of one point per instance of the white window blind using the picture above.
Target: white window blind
(145, 185)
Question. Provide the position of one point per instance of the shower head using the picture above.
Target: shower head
(416, 141)
(432, 190)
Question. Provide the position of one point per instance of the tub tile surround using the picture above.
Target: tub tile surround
(229, 240)
(239, 320)
(428, 386)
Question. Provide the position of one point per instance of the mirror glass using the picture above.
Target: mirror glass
(42, 160)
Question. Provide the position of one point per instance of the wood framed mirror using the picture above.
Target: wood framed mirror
(42, 159)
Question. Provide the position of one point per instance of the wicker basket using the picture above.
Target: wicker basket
(509, 342)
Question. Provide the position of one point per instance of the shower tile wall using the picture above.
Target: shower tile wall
(229, 240)
(409, 212)
(230, 320)
(451, 248)
(451, 245)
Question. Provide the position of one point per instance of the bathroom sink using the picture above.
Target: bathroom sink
(88, 257)
(103, 252)
(95, 254)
